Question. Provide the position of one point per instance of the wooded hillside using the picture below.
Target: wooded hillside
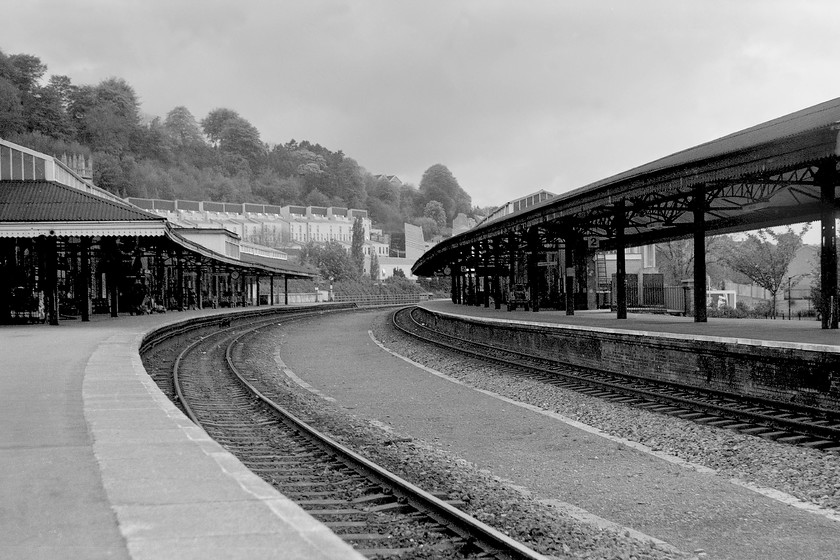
(220, 157)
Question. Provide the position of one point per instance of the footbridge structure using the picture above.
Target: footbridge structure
(781, 172)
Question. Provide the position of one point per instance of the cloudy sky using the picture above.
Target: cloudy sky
(512, 96)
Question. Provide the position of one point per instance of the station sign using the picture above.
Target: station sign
(593, 242)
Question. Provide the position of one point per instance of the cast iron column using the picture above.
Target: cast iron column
(699, 209)
(51, 278)
(620, 265)
(533, 267)
(286, 289)
(826, 178)
(569, 275)
(84, 284)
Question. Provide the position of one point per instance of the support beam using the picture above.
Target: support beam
(534, 249)
(620, 263)
(826, 178)
(199, 286)
(84, 298)
(569, 275)
(51, 278)
(286, 289)
(179, 265)
(700, 288)
(271, 283)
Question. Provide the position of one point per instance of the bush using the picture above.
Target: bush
(367, 287)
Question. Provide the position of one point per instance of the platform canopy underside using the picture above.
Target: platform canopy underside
(768, 175)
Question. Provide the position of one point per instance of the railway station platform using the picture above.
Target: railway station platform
(787, 361)
(804, 332)
(98, 463)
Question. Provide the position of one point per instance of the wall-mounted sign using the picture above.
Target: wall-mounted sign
(234, 274)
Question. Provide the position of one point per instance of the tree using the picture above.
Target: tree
(764, 258)
(436, 212)
(675, 259)
(214, 123)
(429, 226)
(357, 245)
(107, 116)
(374, 266)
(182, 127)
(330, 259)
(439, 184)
(11, 108)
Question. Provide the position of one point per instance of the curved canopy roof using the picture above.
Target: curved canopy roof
(762, 176)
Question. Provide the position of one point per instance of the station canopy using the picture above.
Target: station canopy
(766, 175)
(37, 207)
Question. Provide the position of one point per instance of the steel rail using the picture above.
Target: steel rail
(467, 527)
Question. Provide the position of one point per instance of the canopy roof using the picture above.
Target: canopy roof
(762, 176)
(50, 201)
(31, 208)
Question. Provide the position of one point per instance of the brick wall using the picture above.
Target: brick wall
(785, 372)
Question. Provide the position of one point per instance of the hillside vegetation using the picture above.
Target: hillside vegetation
(220, 157)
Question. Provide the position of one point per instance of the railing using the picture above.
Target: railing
(382, 299)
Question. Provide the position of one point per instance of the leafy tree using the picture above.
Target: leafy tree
(350, 184)
(764, 258)
(11, 108)
(436, 212)
(241, 138)
(439, 184)
(316, 198)
(330, 259)
(27, 72)
(429, 226)
(675, 259)
(374, 266)
(357, 245)
(214, 123)
(182, 127)
(106, 116)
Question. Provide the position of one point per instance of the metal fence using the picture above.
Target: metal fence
(382, 299)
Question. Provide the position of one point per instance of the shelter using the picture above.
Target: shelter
(780, 172)
(69, 249)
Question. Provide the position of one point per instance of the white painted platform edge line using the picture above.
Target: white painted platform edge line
(771, 493)
(569, 509)
(318, 535)
(291, 375)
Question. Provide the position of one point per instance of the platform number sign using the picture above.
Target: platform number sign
(593, 242)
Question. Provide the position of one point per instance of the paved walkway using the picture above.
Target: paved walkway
(558, 462)
(98, 463)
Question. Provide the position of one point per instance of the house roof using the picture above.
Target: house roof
(49, 201)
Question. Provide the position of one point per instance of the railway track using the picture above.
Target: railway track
(782, 422)
(377, 512)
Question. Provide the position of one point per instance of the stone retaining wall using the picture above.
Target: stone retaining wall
(798, 373)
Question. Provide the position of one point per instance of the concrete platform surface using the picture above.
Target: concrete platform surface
(98, 463)
(757, 331)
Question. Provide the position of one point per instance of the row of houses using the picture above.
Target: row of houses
(284, 229)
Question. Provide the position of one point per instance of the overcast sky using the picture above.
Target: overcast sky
(511, 96)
